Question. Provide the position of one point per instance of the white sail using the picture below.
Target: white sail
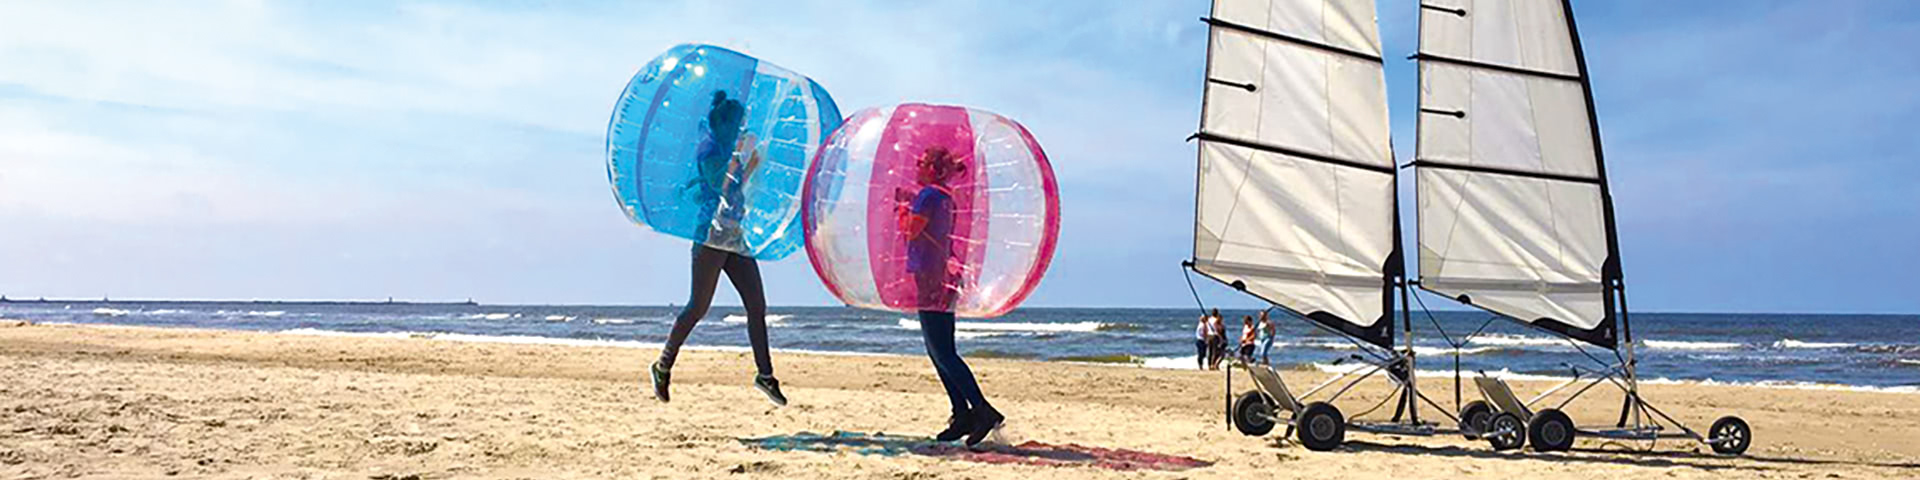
(1513, 210)
(1295, 196)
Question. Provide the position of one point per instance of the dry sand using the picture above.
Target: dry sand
(116, 402)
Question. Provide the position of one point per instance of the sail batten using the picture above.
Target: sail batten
(1295, 197)
(1271, 148)
(1498, 67)
(1502, 171)
(1513, 207)
(1374, 57)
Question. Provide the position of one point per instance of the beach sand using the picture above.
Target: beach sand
(117, 402)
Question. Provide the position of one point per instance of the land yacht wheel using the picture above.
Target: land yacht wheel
(1551, 431)
(1474, 418)
(1506, 432)
(1733, 434)
(1321, 427)
(1253, 414)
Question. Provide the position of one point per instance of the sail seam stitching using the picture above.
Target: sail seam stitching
(1553, 218)
(1246, 171)
(1326, 94)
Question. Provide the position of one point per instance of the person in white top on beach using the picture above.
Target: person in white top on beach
(1202, 332)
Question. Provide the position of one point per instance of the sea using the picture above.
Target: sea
(1852, 352)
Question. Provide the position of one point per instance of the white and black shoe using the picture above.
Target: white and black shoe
(770, 386)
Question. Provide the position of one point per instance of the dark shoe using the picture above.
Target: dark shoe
(661, 378)
(958, 426)
(984, 422)
(768, 385)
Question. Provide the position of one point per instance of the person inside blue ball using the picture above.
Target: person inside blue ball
(722, 175)
(724, 162)
(927, 217)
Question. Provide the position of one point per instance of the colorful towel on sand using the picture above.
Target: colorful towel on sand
(1028, 453)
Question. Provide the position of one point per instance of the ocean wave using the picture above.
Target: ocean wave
(1791, 343)
(612, 321)
(1419, 350)
(560, 318)
(1003, 354)
(1759, 358)
(1794, 385)
(772, 319)
(1319, 345)
(1516, 341)
(977, 334)
(1177, 362)
(1504, 374)
(490, 316)
(166, 311)
(249, 313)
(110, 312)
(1686, 345)
(1888, 349)
(1907, 361)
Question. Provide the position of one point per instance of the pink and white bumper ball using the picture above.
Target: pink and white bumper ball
(931, 207)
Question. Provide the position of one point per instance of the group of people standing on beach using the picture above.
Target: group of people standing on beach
(1210, 338)
(925, 215)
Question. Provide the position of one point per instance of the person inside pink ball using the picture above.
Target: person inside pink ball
(926, 217)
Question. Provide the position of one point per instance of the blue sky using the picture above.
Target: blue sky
(1762, 153)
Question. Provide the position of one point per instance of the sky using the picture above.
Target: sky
(1761, 153)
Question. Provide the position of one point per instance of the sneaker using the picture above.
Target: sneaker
(984, 422)
(958, 426)
(661, 378)
(768, 385)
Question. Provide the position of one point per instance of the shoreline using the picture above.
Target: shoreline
(1154, 363)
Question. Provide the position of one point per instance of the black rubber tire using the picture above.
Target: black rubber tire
(1253, 414)
(1512, 440)
(1731, 427)
(1551, 431)
(1321, 427)
(1474, 418)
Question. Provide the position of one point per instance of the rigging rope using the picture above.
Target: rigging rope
(1196, 292)
(1436, 324)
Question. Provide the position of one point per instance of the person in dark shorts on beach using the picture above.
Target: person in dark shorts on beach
(1248, 334)
(1269, 331)
(1217, 341)
(926, 216)
(721, 177)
